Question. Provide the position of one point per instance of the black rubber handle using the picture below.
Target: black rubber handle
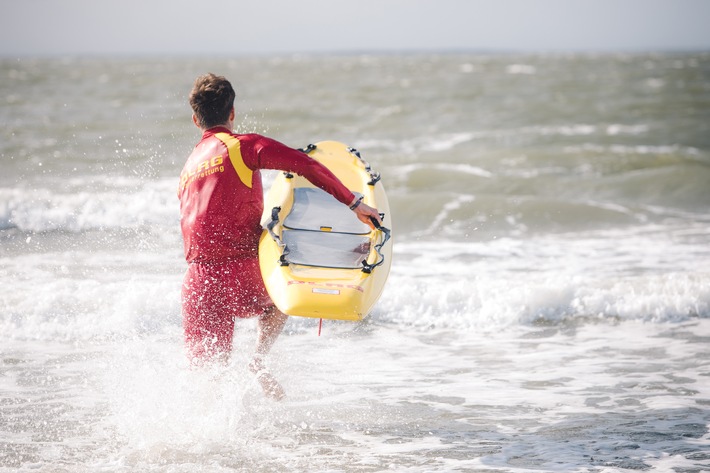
(375, 222)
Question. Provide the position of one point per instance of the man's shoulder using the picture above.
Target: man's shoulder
(244, 139)
(250, 137)
(257, 141)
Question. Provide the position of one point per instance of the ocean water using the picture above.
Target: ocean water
(548, 307)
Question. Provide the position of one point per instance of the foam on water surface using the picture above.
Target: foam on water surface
(548, 307)
(561, 398)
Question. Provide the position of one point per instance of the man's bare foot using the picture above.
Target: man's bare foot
(269, 385)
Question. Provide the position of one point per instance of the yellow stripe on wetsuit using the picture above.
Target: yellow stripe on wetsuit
(235, 157)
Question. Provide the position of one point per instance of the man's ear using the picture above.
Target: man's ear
(194, 120)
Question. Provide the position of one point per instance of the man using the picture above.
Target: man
(221, 202)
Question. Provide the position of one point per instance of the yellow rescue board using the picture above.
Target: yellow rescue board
(316, 258)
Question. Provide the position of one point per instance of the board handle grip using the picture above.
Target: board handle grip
(376, 223)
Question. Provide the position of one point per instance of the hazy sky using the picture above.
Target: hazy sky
(72, 27)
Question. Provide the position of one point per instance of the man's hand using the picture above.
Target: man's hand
(365, 213)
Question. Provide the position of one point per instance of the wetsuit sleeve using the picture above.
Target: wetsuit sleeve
(272, 154)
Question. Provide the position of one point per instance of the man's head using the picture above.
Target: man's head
(212, 101)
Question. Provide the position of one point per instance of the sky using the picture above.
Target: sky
(194, 27)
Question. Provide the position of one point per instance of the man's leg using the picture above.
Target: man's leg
(270, 326)
(208, 320)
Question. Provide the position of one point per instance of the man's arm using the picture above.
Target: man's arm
(272, 154)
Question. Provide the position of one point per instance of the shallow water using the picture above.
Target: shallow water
(548, 307)
(567, 397)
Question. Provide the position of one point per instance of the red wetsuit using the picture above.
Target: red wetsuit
(221, 202)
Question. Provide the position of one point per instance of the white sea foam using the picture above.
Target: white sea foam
(553, 316)
(510, 401)
(132, 204)
(435, 142)
(635, 149)
(507, 282)
(618, 129)
(85, 296)
(452, 168)
(465, 286)
(526, 69)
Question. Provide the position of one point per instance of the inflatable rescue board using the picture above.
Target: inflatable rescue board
(317, 259)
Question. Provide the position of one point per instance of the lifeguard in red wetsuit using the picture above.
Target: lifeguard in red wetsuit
(221, 202)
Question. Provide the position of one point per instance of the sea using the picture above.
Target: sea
(548, 306)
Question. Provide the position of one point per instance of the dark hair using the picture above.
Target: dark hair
(212, 99)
